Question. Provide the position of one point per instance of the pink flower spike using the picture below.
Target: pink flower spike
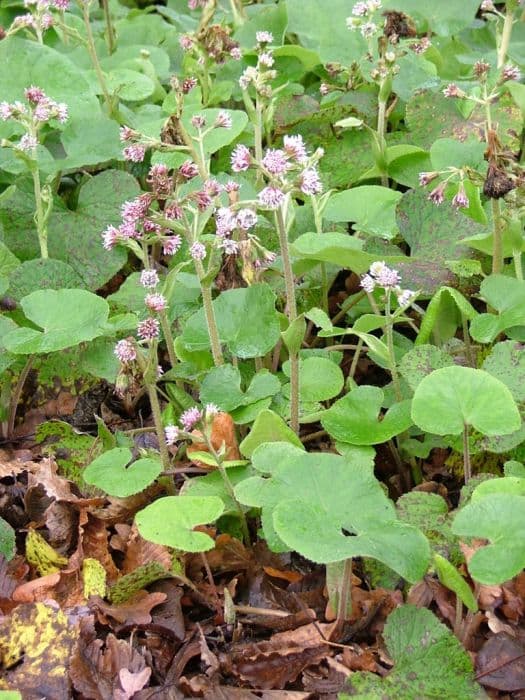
(190, 418)
(171, 433)
(437, 195)
(156, 302)
(460, 200)
(149, 329)
(188, 170)
(246, 219)
(368, 283)
(110, 237)
(27, 142)
(240, 159)
(134, 153)
(310, 182)
(171, 245)
(34, 94)
(264, 37)
(295, 148)
(223, 120)
(275, 161)
(125, 351)
(6, 111)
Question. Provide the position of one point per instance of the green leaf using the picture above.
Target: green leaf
(247, 322)
(338, 248)
(314, 499)
(40, 273)
(445, 300)
(268, 427)
(499, 518)
(110, 472)
(372, 208)
(450, 577)
(446, 153)
(421, 361)
(429, 662)
(320, 379)
(67, 316)
(129, 85)
(506, 362)
(356, 417)
(507, 296)
(270, 18)
(450, 398)
(212, 484)
(7, 540)
(293, 336)
(170, 521)
(222, 387)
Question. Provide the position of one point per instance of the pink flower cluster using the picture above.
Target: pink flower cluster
(380, 275)
(41, 110)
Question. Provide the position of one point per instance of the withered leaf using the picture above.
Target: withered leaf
(500, 663)
(135, 611)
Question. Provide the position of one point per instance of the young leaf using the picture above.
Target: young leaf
(110, 472)
(429, 662)
(170, 521)
(67, 316)
(356, 417)
(451, 397)
(268, 427)
(320, 379)
(450, 577)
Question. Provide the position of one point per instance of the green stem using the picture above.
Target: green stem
(209, 314)
(159, 428)
(389, 332)
(198, 156)
(94, 57)
(505, 36)
(344, 606)
(468, 345)
(168, 337)
(518, 268)
(467, 467)
(355, 358)
(497, 245)
(110, 30)
(318, 219)
(291, 307)
(17, 393)
(40, 217)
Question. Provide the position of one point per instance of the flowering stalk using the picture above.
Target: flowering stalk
(110, 30)
(94, 57)
(211, 323)
(291, 309)
(506, 34)
(41, 213)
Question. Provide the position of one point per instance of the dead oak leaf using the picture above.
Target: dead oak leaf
(135, 611)
(500, 663)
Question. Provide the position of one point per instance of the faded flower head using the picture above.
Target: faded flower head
(246, 219)
(28, 142)
(190, 418)
(452, 90)
(125, 351)
(427, 177)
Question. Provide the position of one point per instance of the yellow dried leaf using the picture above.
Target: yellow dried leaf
(42, 556)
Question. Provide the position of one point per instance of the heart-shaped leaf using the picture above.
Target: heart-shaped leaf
(506, 362)
(170, 521)
(111, 473)
(507, 296)
(330, 509)
(247, 322)
(67, 316)
(356, 417)
(421, 361)
(222, 387)
(40, 273)
(268, 427)
(320, 379)
(372, 208)
(452, 397)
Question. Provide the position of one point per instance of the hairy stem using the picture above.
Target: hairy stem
(291, 307)
(110, 30)
(467, 467)
(324, 278)
(168, 337)
(505, 36)
(40, 217)
(94, 58)
(159, 428)
(211, 323)
(389, 332)
(497, 245)
(17, 393)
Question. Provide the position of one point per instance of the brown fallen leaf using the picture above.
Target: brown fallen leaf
(131, 682)
(500, 663)
(135, 611)
(36, 590)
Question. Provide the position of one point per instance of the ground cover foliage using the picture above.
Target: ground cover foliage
(262, 349)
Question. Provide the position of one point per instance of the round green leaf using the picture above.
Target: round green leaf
(356, 417)
(67, 316)
(506, 362)
(320, 379)
(452, 397)
(110, 472)
(130, 85)
(7, 540)
(170, 521)
(371, 207)
(42, 273)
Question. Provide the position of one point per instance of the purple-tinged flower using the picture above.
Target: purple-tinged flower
(231, 186)
(150, 226)
(275, 161)
(188, 84)
(43, 111)
(246, 219)
(452, 90)
(62, 5)
(137, 208)
(511, 72)
(186, 42)
(360, 9)
(128, 230)
(127, 134)
(388, 278)
(481, 68)
(110, 237)
(134, 153)
(437, 194)
(211, 410)
(368, 283)
(149, 329)
(229, 246)
(236, 53)
(404, 296)
(171, 245)
(156, 302)
(125, 351)
(34, 94)
(198, 121)
(460, 199)
(195, 4)
(149, 279)
(190, 418)
(28, 142)
(213, 187)
(173, 211)
(171, 434)
(62, 112)
(295, 147)
(198, 251)
(188, 170)
(264, 37)
(266, 59)
(203, 200)
(426, 177)
(223, 120)
(47, 20)
(225, 221)
(26, 20)
(271, 197)
(6, 111)
(421, 46)
(240, 159)
(324, 89)
(310, 182)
